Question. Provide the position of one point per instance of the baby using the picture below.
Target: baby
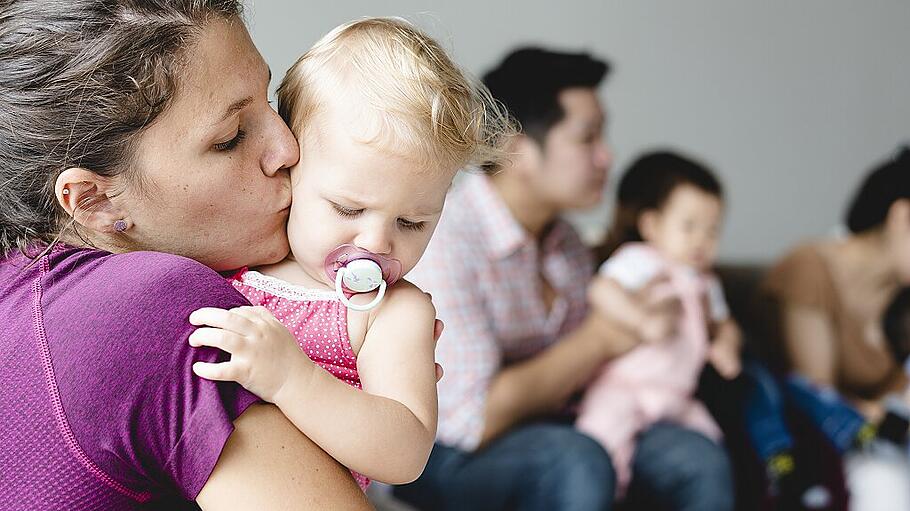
(384, 120)
(674, 238)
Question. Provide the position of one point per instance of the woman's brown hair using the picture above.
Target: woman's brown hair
(79, 82)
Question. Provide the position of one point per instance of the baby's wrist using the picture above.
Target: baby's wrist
(295, 385)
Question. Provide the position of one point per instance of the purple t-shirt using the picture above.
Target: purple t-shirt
(99, 408)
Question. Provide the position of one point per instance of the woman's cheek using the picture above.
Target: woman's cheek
(903, 261)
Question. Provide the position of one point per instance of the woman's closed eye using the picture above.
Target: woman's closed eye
(232, 143)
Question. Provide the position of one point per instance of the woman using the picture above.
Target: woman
(829, 298)
(133, 126)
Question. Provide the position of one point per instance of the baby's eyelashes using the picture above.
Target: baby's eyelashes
(346, 212)
(411, 226)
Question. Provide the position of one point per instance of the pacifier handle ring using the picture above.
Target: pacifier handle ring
(353, 306)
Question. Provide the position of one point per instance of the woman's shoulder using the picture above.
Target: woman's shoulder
(135, 288)
(804, 257)
(117, 328)
(142, 275)
(803, 274)
(159, 269)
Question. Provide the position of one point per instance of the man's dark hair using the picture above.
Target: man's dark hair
(528, 82)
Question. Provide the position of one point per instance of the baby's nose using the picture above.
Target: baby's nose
(375, 242)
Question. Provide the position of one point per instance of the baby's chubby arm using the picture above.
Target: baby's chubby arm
(726, 345)
(397, 369)
(385, 433)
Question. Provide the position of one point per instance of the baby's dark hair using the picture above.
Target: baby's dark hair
(896, 325)
(647, 185)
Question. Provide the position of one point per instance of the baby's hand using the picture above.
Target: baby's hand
(724, 356)
(264, 354)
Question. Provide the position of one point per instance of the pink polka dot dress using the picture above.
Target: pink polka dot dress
(316, 317)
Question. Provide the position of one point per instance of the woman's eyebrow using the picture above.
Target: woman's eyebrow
(235, 107)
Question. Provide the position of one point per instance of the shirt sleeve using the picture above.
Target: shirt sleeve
(468, 349)
(133, 402)
(631, 267)
(717, 302)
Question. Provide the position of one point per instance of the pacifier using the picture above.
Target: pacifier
(355, 270)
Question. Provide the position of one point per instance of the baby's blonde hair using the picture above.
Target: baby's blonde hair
(420, 103)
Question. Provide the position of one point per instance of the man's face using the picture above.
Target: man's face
(574, 161)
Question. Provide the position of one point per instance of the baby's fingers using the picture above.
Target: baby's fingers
(220, 318)
(255, 313)
(223, 371)
(216, 338)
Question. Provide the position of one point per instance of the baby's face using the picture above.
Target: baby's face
(349, 192)
(686, 229)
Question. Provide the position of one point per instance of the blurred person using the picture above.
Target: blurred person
(829, 298)
(510, 279)
(676, 234)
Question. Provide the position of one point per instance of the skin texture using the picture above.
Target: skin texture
(348, 191)
(226, 207)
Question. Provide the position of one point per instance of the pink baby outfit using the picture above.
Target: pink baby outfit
(653, 382)
(318, 320)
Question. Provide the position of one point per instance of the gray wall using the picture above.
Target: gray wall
(790, 101)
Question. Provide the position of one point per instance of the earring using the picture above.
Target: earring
(120, 225)
(66, 191)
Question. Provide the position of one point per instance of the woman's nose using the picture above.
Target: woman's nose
(282, 150)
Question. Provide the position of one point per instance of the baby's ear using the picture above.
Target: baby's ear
(647, 224)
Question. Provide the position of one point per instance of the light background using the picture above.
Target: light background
(791, 101)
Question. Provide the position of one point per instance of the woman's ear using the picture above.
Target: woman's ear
(647, 224)
(898, 219)
(86, 197)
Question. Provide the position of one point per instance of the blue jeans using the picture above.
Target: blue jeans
(553, 467)
(765, 412)
(836, 418)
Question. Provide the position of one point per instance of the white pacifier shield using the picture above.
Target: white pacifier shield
(362, 276)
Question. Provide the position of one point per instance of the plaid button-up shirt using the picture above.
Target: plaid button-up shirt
(483, 270)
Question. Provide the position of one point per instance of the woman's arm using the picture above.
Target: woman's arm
(809, 340)
(543, 383)
(268, 464)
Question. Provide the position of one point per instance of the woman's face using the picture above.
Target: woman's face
(897, 234)
(214, 185)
